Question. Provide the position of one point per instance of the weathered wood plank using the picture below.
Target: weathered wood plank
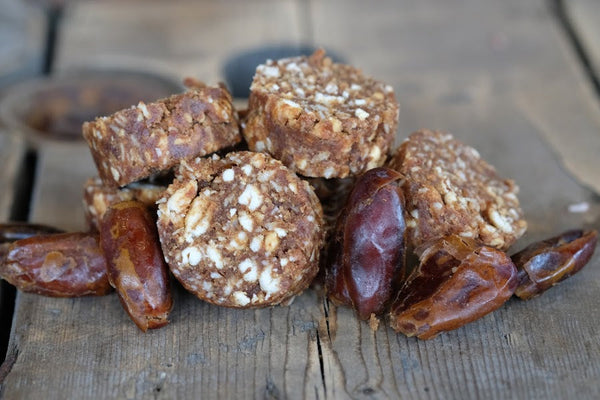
(583, 16)
(206, 352)
(12, 151)
(507, 83)
(451, 71)
(481, 59)
(21, 54)
(216, 352)
(22, 30)
(178, 39)
(62, 169)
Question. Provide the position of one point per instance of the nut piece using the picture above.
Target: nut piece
(456, 282)
(57, 265)
(319, 118)
(241, 231)
(543, 264)
(367, 251)
(134, 143)
(136, 267)
(450, 190)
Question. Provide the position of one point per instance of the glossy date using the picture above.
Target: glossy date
(545, 263)
(367, 253)
(457, 281)
(136, 267)
(57, 265)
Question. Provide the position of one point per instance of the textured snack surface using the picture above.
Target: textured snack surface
(97, 197)
(134, 143)
(241, 231)
(319, 118)
(450, 190)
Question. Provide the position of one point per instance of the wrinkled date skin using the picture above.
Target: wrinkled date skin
(544, 264)
(136, 267)
(57, 265)
(367, 254)
(11, 231)
(457, 281)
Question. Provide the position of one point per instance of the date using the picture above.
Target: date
(543, 264)
(136, 267)
(57, 265)
(11, 231)
(456, 282)
(367, 253)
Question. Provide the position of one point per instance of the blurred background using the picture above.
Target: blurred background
(454, 52)
(487, 71)
(466, 66)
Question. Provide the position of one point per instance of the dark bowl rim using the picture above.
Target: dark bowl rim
(19, 91)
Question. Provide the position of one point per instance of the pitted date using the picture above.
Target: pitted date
(57, 265)
(367, 253)
(544, 264)
(457, 281)
(136, 267)
(11, 231)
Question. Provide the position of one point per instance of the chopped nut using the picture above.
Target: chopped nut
(271, 242)
(228, 175)
(199, 217)
(251, 197)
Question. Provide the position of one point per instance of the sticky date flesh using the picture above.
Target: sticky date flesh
(367, 253)
(57, 265)
(548, 262)
(456, 282)
(136, 267)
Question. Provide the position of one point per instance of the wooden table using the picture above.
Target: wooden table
(505, 77)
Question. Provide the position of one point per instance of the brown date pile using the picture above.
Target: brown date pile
(124, 255)
(457, 280)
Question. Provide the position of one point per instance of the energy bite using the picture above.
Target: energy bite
(137, 142)
(319, 118)
(97, 197)
(449, 189)
(241, 231)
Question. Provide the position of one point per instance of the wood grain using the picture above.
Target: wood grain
(584, 16)
(22, 30)
(470, 76)
(485, 79)
(516, 51)
(21, 43)
(12, 151)
(62, 169)
(178, 39)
